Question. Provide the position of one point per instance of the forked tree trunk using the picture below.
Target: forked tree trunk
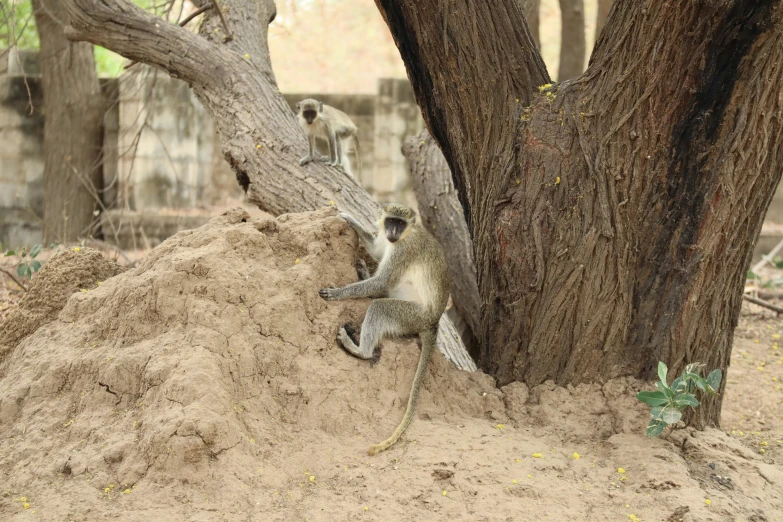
(234, 81)
(572, 39)
(613, 219)
(73, 176)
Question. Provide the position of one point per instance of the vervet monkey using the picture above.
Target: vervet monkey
(412, 281)
(319, 120)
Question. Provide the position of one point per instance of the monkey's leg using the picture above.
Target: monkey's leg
(312, 154)
(385, 318)
(339, 147)
(332, 149)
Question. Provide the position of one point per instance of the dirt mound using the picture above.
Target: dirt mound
(64, 274)
(206, 384)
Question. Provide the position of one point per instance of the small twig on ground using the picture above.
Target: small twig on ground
(229, 36)
(14, 279)
(767, 258)
(765, 304)
(184, 22)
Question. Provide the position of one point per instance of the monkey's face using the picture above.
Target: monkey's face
(309, 115)
(395, 228)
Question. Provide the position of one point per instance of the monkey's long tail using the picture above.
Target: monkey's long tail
(428, 338)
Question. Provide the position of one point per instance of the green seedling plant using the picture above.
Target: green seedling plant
(27, 264)
(668, 403)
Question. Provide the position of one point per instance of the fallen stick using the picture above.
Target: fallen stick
(765, 304)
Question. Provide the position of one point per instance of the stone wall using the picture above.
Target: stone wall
(163, 161)
(162, 156)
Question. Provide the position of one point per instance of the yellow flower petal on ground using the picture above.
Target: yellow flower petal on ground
(445, 493)
(23, 499)
(312, 478)
(707, 501)
(577, 456)
(26, 505)
(76, 249)
(127, 491)
(513, 481)
(633, 517)
(500, 426)
(537, 455)
(620, 470)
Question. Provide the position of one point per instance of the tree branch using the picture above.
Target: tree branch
(140, 36)
(14, 279)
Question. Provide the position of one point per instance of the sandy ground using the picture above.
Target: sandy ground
(205, 384)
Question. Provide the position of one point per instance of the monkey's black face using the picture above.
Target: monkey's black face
(394, 228)
(309, 116)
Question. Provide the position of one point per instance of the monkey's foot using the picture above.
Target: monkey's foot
(348, 344)
(361, 270)
(306, 160)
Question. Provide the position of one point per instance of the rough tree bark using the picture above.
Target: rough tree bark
(72, 129)
(234, 81)
(572, 39)
(613, 218)
(441, 213)
(601, 16)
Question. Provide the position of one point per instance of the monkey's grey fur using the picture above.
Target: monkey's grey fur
(319, 120)
(412, 287)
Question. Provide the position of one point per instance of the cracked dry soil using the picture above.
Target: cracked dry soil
(205, 384)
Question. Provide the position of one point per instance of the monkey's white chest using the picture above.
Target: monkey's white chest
(413, 286)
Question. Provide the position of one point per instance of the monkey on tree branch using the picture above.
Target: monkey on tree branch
(612, 216)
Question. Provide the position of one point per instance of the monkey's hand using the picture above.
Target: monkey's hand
(330, 294)
(307, 159)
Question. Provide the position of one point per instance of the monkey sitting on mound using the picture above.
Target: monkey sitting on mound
(412, 284)
(333, 125)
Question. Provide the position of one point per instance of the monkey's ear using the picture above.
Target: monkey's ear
(320, 106)
(298, 105)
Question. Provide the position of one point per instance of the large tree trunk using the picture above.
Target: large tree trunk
(572, 39)
(72, 130)
(233, 79)
(613, 219)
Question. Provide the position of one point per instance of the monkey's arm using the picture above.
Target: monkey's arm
(365, 236)
(312, 154)
(376, 286)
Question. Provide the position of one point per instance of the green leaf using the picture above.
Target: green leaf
(21, 269)
(662, 371)
(679, 385)
(752, 275)
(655, 428)
(664, 389)
(652, 398)
(685, 399)
(671, 415)
(28, 272)
(10, 253)
(35, 265)
(714, 378)
(35, 251)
